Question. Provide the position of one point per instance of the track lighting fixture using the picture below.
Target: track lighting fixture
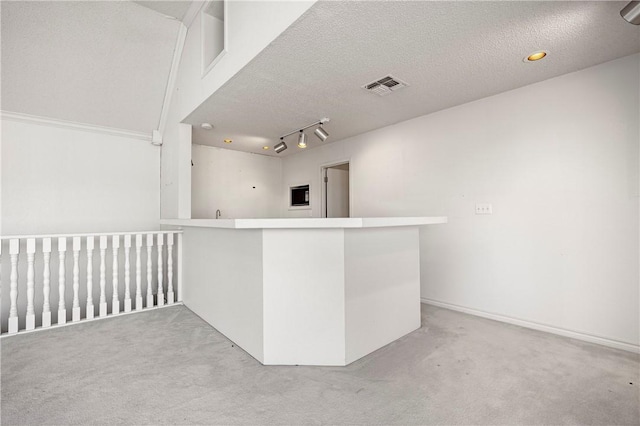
(280, 147)
(320, 132)
(631, 13)
(302, 140)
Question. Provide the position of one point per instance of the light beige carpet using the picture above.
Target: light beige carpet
(167, 366)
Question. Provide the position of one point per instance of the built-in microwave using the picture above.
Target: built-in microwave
(299, 196)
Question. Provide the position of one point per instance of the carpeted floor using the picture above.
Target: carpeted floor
(167, 366)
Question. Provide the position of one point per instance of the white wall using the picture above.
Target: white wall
(62, 180)
(559, 162)
(1, 168)
(240, 184)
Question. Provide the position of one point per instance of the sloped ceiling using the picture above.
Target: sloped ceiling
(104, 63)
(174, 9)
(449, 53)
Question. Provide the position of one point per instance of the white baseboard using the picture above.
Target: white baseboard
(536, 326)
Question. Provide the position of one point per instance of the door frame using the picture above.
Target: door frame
(323, 187)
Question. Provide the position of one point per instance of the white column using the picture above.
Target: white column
(184, 170)
(127, 273)
(62, 311)
(149, 271)
(115, 302)
(103, 279)
(46, 282)
(90, 309)
(31, 254)
(14, 250)
(170, 295)
(160, 288)
(138, 273)
(75, 313)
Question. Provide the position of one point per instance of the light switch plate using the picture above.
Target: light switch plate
(484, 208)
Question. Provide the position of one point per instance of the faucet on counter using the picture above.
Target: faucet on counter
(218, 214)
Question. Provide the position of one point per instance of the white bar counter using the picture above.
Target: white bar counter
(305, 291)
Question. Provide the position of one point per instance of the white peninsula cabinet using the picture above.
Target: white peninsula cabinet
(305, 291)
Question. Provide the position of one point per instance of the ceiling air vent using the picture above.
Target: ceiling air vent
(385, 85)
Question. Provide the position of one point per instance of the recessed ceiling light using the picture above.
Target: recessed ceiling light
(228, 141)
(536, 56)
(265, 147)
(206, 126)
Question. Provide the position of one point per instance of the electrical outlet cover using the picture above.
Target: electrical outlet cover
(484, 208)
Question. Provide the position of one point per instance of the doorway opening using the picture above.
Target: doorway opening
(336, 199)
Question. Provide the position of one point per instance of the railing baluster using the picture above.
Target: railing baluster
(168, 270)
(138, 273)
(160, 288)
(103, 278)
(14, 250)
(127, 274)
(90, 309)
(75, 313)
(149, 271)
(180, 268)
(62, 310)
(115, 302)
(46, 282)
(31, 255)
(170, 295)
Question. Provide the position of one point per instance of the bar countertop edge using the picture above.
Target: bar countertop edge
(306, 223)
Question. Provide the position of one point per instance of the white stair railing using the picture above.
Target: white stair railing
(30, 295)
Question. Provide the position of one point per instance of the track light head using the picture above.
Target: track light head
(302, 140)
(280, 147)
(321, 133)
(302, 137)
(631, 13)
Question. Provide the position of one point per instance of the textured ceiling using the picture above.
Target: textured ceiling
(103, 63)
(174, 9)
(449, 53)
